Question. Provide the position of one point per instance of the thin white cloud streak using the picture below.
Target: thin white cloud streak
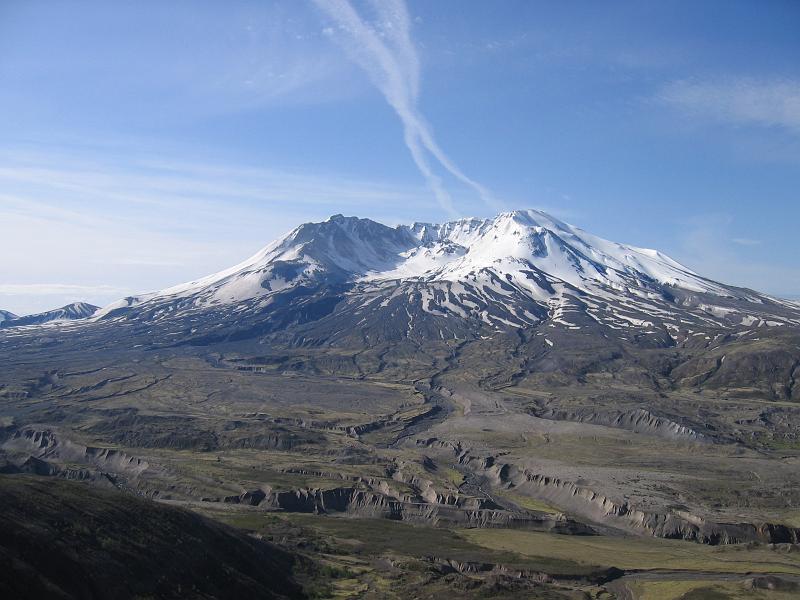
(771, 103)
(386, 52)
(58, 289)
(139, 262)
(180, 195)
(175, 182)
(706, 246)
(746, 241)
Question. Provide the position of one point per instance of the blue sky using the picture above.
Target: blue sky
(146, 143)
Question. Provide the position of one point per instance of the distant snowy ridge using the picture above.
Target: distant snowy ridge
(70, 312)
(6, 315)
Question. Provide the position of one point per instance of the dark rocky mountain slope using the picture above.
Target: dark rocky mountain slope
(62, 539)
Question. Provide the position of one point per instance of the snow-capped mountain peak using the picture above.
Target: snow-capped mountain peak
(511, 270)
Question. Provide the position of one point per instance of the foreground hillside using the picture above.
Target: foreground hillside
(60, 539)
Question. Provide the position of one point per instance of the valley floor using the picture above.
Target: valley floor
(403, 487)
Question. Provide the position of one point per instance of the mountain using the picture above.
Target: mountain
(459, 279)
(513, 372)
(70, 312)
(6, 316)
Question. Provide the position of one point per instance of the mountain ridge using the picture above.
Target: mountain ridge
(68, 312)
(6, 315)
(518, 269)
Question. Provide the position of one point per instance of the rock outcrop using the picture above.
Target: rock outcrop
(639, 420)
(44, 452)
(596, 507)
(371, 504)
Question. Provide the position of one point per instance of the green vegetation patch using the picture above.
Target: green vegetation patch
(637, 553)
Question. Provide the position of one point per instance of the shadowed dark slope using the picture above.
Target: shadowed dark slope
(60, 539)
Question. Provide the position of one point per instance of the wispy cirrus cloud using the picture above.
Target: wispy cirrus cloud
(742, 100)
(746, 241)
(135, 66)
(58, 289)
(705, 243)
(384, 49)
